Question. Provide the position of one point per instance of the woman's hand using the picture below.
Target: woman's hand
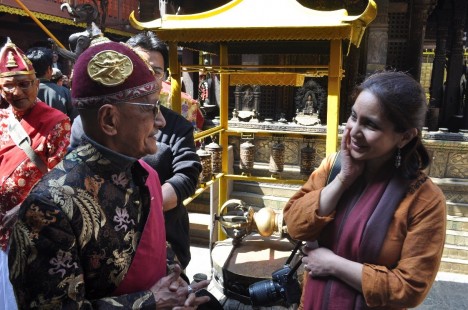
(351, 169)
(172, 292)
(322, 262)
(319, 262)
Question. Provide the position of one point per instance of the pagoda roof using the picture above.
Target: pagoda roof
(260, 20)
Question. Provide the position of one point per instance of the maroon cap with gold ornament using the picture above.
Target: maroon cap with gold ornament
(13, 61)
(110, 72)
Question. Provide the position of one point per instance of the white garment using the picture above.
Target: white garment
(7, 297)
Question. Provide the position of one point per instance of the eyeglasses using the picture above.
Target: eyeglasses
(158, 73)
(24, 85)
(155, 107)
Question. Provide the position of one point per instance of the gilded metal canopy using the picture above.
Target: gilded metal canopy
(261, 20)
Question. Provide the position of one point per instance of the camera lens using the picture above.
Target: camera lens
(264, 293)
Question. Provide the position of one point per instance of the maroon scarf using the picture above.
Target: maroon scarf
(357, 234)
(149, 263)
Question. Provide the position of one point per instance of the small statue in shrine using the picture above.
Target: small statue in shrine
(235, 115)
(310, 103)
(282, 119)
(254, 118)
(247, 100)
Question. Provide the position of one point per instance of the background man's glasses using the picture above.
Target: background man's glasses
(23, 85)
(155, 107)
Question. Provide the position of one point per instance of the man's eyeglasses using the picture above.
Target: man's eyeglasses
(155, 107)
(158, 73)
(23, 85)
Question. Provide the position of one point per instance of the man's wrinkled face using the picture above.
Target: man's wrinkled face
(139, 122)
(20, 91)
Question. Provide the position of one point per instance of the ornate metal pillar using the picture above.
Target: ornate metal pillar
(437, 79)
(377, 45)
(451, 117)
(419, 13)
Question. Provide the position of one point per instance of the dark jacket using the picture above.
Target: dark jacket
(58, 97)
(176, 146)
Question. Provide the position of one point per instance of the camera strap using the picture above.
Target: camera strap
(336, 168)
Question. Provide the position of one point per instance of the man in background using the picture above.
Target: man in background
(54, 95)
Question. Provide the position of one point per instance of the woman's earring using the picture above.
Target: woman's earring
(398, 158)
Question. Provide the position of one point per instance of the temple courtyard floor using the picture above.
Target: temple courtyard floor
(450, 291)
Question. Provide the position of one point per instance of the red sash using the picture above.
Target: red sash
(37, 124)
(149, 263)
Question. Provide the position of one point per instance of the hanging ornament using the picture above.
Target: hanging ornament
(205, 160)
(216, 159)
(277, 156)
(307, 160)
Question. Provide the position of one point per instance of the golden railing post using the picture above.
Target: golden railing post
(174, 68)
(333, 101)
(224, 94)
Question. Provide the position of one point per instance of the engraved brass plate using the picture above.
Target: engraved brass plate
(110, 68)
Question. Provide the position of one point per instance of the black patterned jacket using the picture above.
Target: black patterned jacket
(77, 233)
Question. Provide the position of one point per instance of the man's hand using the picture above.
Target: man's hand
(172, 292)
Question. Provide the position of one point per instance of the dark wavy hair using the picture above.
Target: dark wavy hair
(404, 103)
(41, 58)
(149, 41)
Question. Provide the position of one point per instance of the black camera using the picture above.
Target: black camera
(283, 286)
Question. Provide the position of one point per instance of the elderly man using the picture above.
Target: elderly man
(33, 139)
(176, 161)
(91, 233)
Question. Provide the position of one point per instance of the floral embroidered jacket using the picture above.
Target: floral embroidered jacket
(78, 231)
(49, 130)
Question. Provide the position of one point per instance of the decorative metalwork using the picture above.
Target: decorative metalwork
(277, 156)
(247, 102)
(205, 160)
(247, 152)
(238, 220)
(216, 156)
(307, 160)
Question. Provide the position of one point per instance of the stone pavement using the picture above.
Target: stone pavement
(449, 292)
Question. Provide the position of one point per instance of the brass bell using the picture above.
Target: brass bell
(238, 220)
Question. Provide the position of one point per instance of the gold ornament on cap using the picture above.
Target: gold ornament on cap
(110, 68)
(11, 62)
